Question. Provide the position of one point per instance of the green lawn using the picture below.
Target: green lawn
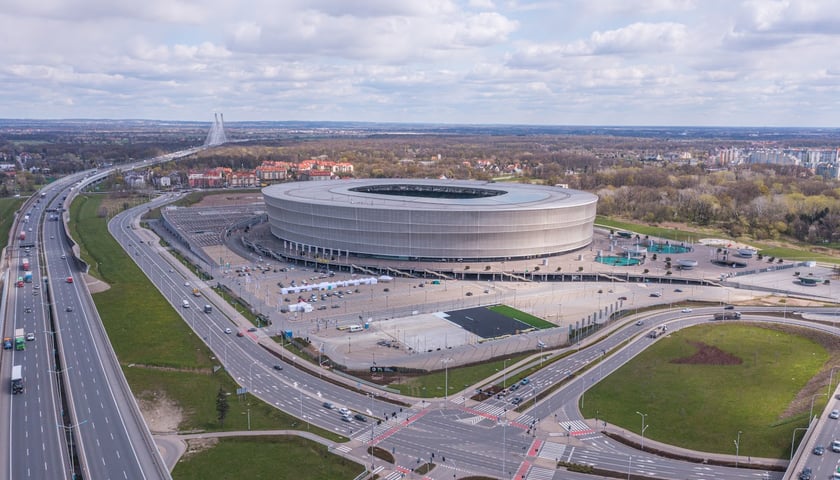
(8, 207)
(142, 326)
(523, 317)
(275, 458)
(432, 385)
(713, 402)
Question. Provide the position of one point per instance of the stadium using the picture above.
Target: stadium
(429, 220)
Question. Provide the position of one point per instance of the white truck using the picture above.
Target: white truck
(17, 379)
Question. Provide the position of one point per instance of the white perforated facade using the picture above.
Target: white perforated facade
(430, 219)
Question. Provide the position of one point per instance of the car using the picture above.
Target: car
(360, 417)
(656, 294)
(516, 400)
(819, 450)
(678, 290)
(640, 323)
(252, 329)
(36, 287)
(834, 415)
(322, 307)
(63, 256)
(186, 284)
(335, 305)
(328, 405)
(7, 343)
(686, 310)
(278, 367)
(346, 418)
(69, 308)
(525, 381)
(837, 396)
(239, 334)
(228, 331)
(514, 387)
(835, 446)
(52, 236)
(27, 310)
(69, 280)
(30, 337)
(729, 307)
(806, 474)
(344, 411)
(622, 298)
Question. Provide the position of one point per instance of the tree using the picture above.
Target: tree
(222, 406)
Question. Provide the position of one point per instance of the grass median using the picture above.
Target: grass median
(698, 387)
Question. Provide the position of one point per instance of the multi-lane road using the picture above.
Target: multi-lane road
(36, 437)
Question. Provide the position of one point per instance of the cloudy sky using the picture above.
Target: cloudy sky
(560, 62)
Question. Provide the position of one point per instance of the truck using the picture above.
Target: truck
(19, 282)
(196, 292)
(728, 316)
(20, 339)
(658, 331)
(26, 265)
(17, 379)
(27, 277)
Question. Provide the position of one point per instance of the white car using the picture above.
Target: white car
(344, 411)
(228, 331)
(686, 310)
(834, 415)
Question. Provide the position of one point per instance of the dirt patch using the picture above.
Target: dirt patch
(95, 285)
(197, 445)
(162, 414)
(708, 355)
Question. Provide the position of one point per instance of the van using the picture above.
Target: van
(186, 304)
(208, 309)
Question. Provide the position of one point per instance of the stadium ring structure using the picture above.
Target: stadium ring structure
(429, 220)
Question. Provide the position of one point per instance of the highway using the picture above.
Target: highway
(36, 437)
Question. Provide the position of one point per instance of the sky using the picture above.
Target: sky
(540, 62)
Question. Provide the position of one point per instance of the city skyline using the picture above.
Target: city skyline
(572, 62)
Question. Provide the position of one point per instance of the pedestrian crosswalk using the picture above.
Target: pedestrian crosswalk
(525, 419)
(552, 451)
(343, 448)
(459, 401)
(492, 410)
(577, 428)
(472, 420)
(394, 475)
(538, 473)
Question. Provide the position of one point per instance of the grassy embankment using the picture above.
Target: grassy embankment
(8, 207)
(292, 459)
(702, 406)
(788, 251)
(161, 357)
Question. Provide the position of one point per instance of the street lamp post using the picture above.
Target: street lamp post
(504, 371)
(792, 438)
(446, 378)
(811, 412)
(644, 427)
(737, 448)
(831, 379)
